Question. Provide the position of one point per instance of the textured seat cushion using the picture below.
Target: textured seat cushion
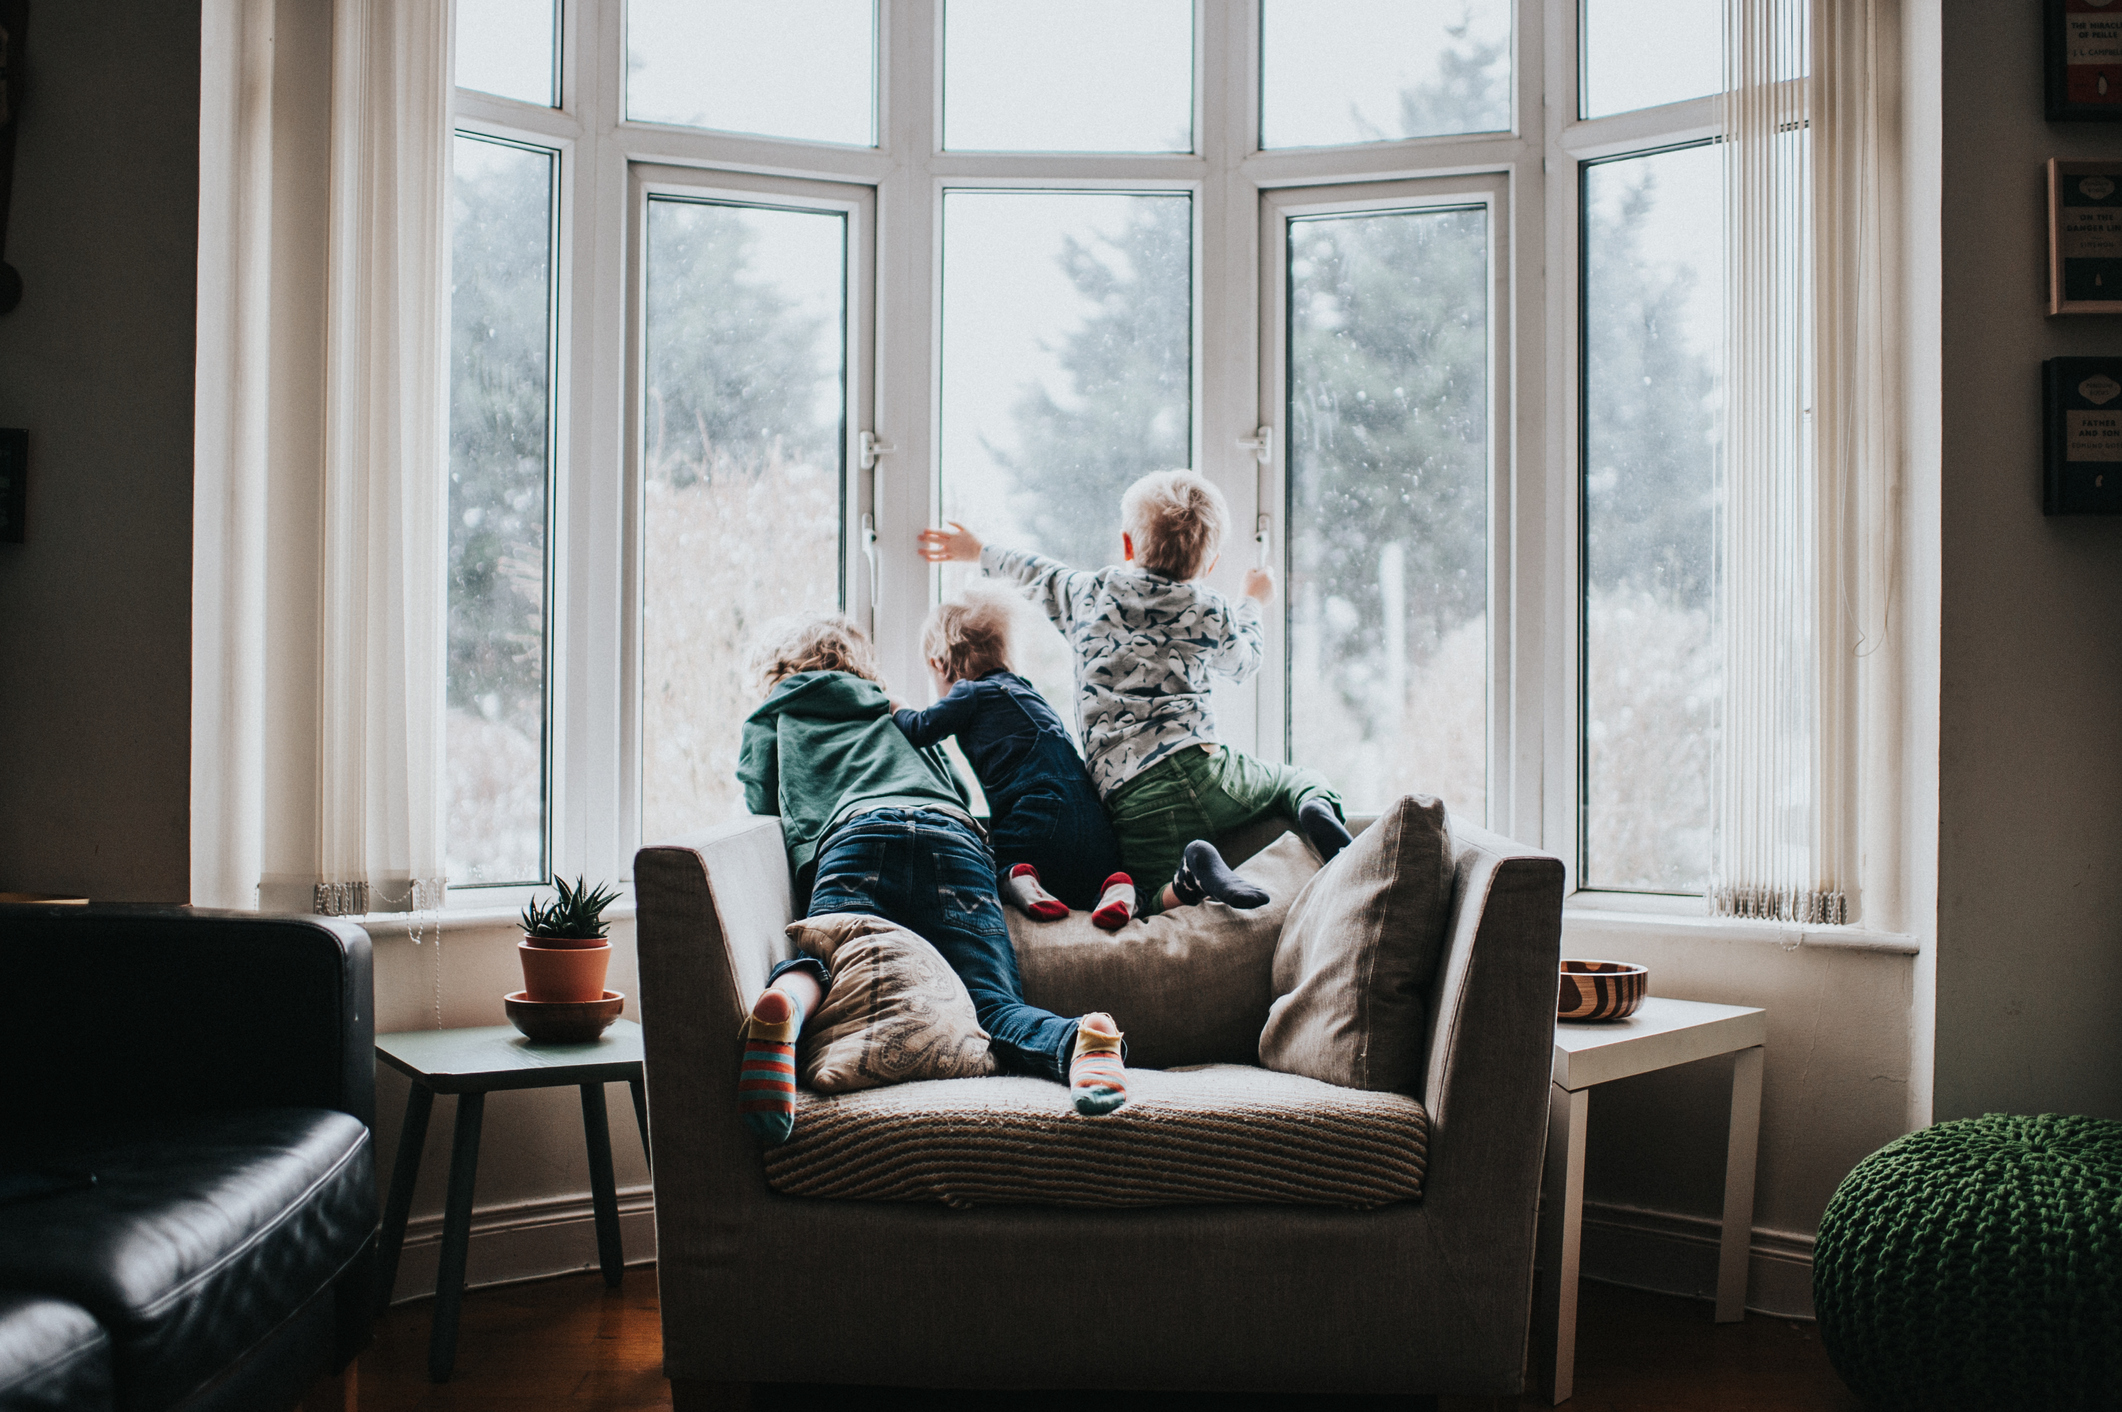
(54, 1357)
(1219, 1133)
(202, 1232)
(1189, 986)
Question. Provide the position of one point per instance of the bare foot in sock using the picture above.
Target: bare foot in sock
(1116, 903)
(1323, 827)
(1032, 898)
(1097, 1078)
(766, 1083)
(1204, 874)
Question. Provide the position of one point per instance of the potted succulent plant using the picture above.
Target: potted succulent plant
(565, 949)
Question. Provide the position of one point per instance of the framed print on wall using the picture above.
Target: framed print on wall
(2081, 436)
(2084, 237)
(2084, 49)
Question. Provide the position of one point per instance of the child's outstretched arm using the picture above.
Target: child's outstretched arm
(1057, 589)
(1244, 646)
(946, 718)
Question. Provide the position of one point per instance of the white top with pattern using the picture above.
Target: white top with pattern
(1145, 646)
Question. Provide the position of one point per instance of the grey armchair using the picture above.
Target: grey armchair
(1427, 1297)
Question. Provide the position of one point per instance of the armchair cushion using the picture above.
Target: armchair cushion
(54, 1357)
(203, 1232)
(896, 1012)
(1188, 986)
(1219, 1133)
(1358, 957)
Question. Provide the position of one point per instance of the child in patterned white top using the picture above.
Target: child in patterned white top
(1148, 635)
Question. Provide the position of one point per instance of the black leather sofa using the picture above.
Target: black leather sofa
(215, 1073)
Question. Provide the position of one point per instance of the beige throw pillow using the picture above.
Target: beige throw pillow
(1354, 966)
(1188, 986)
(896, 1010)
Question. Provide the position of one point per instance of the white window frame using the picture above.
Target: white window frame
(1528, 176)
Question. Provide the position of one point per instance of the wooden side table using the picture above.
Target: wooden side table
(471, 1063)
(1660, 1035)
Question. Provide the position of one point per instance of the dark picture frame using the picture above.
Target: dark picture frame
(2081, 436)
(2082, 42)
(2085, 236)
(14, 484)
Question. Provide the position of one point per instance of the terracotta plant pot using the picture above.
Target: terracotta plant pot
(564, 973)
(566, 943)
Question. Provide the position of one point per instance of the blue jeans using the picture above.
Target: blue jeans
(930, 873)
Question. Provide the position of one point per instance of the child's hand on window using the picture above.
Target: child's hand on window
(1260, 586)
(956, 545)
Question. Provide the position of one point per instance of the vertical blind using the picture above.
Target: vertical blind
(1809, 443)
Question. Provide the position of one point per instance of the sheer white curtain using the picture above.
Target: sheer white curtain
(1809, 422)
(386, 460)
(230, 471)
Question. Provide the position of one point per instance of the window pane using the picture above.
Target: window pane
(1341, 71)
(499, 460)
(1080, 76)
(1653, 341)
(804, 69)
(743, 428)
(1388, 504)
(1067, 373)
(506, 47)
(1640, 53)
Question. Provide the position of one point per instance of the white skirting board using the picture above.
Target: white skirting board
(526, 1240)
(1675, 1254)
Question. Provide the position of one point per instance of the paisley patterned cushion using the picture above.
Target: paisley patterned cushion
(896, 1011)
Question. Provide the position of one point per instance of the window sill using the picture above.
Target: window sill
(379, 925)
(1608, 919)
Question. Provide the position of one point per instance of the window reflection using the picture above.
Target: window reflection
(1348, 71)
(499, 469)
(1388, 504)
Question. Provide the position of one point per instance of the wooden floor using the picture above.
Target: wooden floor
(570, 1345)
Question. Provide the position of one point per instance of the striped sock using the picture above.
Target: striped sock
(766, 1085)
(1096, 1076)
(1116, 903)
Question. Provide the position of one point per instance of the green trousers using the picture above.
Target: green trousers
(1194, 793)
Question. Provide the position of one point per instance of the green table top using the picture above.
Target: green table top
(498, 1056)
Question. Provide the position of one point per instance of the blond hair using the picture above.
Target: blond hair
(1177, 520)
(826, 642)
(968, 637)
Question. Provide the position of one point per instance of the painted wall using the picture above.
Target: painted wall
(1835, 1086)
(95, 660)
(2029, 961)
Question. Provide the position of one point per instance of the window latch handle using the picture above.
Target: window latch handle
(1261, 443)
(872, 448)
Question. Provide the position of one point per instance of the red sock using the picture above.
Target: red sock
(1116, 903)
(1031, 898)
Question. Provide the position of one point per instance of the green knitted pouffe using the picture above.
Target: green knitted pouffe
(1978, 1265)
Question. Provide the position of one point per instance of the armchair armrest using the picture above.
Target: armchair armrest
(134, 1009)
(1491, 1047)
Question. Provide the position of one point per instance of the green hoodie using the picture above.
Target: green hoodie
(822, 746)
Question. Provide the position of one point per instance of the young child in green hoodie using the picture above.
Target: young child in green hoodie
(880, 827)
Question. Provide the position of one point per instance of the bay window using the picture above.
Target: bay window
(1433, 292)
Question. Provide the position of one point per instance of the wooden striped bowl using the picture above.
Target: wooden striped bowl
(1601, 990)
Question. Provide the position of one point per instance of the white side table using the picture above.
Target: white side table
(1661, 1034)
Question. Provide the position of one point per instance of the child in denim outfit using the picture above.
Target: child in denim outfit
(1148, 635)
(1054, 848)
(882, 828)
